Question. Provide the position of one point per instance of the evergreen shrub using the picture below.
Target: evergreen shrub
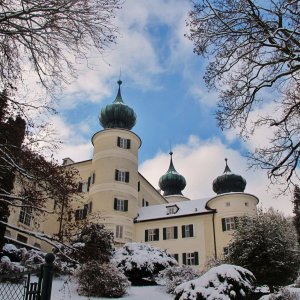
(97, 279)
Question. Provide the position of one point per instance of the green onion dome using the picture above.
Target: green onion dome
(172, 183)
(229, 182)
(117, 114)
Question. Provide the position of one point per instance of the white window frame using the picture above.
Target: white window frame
(120, 204)
(171, 210)
(190, 259)
(80, 214)
(84, 187)
(229, 224)
(122, 176)
(187, 230)
(170, 233)
(151, 235)
(123, 143)
(119, 231)
(25, 215)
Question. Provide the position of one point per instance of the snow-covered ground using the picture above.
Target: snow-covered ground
(65, 291)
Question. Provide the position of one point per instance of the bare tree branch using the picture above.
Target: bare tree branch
(256, 49)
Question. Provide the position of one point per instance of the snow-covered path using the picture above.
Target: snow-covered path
(61, 291)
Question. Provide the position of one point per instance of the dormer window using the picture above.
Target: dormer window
(171, 210)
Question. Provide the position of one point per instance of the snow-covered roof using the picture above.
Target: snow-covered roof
(156, 212)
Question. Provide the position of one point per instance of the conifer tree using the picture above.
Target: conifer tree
(12, 132)
(267, 246)
(296, 202)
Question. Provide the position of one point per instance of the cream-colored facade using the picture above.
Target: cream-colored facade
(129, 206)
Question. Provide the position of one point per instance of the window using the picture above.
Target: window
(83, 187)
(246, 204)
(170, 233)
(22, 238)
(227, 204)
(55, 204)
(119, 232)
(175, 256)
(93, 178)
(225, 251)
(139, 186)
(229, 223)
(25, 215)
(37, 245)
(81, 214)
(121, 176)
(88, 184)
(120, 204)
(187, 231)
(190, 259)
(145, 203)
(123, 143)
(152, 235)
(90, 207)
(7, 233)
(172, 209)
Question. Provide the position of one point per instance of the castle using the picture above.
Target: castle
(129, 206)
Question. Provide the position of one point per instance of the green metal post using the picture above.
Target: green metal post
(47, 277)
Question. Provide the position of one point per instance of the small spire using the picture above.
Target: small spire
(171, 167)
(119, 96)
(227, 169)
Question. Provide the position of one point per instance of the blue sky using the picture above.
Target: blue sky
(162, 81)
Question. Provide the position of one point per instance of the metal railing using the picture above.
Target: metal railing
(20, 286)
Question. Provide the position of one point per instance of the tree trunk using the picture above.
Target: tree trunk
(4, 214)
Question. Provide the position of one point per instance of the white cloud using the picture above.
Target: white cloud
(203, 96)
(74, 144)
(137, 52)
(200, 162)
(261, 136)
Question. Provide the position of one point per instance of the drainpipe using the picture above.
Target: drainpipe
(214, 233)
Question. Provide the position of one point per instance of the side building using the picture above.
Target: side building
(116, 194)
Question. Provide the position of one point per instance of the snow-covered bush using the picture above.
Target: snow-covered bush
(297, 282)
(174, 276)
(223, 282)
(283, 294)
(13, 252)
(63, 264)
(141, 263)
(212, 262)
(101, 280)
(11, 268)
(63, 267)
(33, 259)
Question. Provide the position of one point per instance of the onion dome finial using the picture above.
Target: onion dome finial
(172, 183)
(229, 182)
(117, 114)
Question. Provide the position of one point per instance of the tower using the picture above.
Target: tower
(172, 183)
(230, 203)
(115, 169)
